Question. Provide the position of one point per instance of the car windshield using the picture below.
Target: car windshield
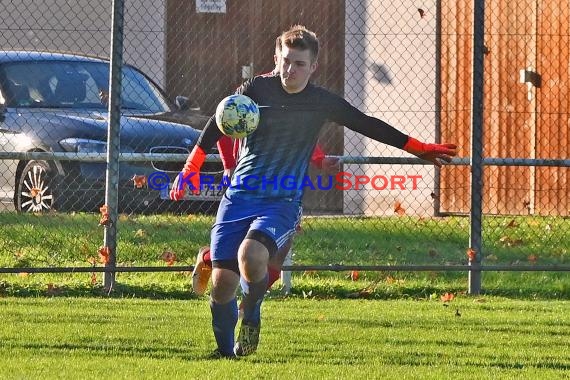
(78, 85)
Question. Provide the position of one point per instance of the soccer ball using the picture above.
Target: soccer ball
(237, 116)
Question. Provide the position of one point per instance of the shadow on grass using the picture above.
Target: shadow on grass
(427, 292)
(119, 291)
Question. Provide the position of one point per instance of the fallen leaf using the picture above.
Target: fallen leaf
(471, 254)
(447, 297)
(139, 181)
(512, 224)
(105, 218)
(532, 259)
(140, 233)
(398, 209)
(354, 275)
(104, 254)
(93, 278)
(34, 191)
(421, 12)
(169, 258)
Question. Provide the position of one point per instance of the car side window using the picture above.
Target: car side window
(78, 85)
(137, 93)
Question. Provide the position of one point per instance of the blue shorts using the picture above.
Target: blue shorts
(278, 219)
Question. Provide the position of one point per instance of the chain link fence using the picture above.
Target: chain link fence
(409, 65)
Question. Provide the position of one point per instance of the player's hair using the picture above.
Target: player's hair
(299, 37)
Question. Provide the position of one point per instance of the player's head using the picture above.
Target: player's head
(298, 37)
(296, 53)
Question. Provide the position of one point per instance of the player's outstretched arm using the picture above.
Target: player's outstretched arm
(383, 132)
(434, 153)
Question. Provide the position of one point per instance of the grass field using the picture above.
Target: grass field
(383, 325)
(470, 338)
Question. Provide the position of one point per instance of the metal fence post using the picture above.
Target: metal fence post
(113, 140)
(477, 146)
(286, 274)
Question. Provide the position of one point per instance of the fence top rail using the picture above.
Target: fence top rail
(302, 268)
(165, 157)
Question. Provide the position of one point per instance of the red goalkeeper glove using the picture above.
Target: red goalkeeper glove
(317, 157)
(190, 175)
(431, 152)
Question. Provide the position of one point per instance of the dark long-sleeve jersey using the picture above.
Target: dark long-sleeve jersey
(274, 159)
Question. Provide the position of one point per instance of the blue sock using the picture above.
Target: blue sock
(253, 293)
(224, 320)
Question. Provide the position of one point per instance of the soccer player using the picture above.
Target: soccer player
(256, 218)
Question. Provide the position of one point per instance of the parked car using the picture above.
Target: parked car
(55, 102)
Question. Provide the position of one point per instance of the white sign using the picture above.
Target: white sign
(210, 6)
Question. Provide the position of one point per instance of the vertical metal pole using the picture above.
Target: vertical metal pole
(477, 146)
(437, 91)
(113, 140)
(286, 274)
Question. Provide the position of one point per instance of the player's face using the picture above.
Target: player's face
(295, 69)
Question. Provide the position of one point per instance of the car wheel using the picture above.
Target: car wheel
(35, 188)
